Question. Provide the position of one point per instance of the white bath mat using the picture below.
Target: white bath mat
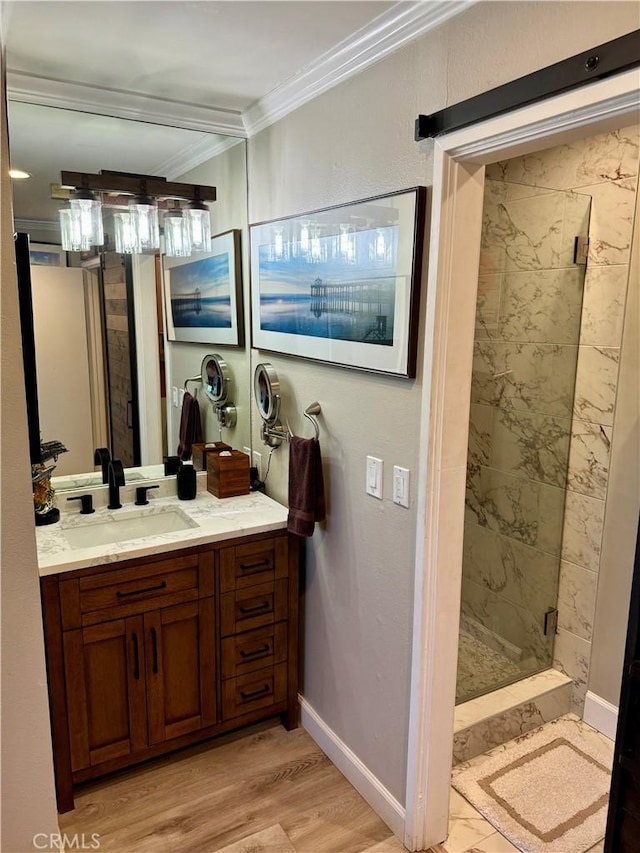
(546, 791)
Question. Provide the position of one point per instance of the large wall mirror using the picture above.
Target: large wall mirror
(106, 374)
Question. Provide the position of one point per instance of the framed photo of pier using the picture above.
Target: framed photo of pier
(342, 284)
(203, 294)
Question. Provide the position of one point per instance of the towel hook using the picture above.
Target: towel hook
(309, 412)
(191, 379)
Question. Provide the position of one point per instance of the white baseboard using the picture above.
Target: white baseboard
(348, 763)
(601, 715)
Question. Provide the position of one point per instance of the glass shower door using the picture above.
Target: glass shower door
(525, 356)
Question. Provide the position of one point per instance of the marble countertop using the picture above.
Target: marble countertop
(214, 520)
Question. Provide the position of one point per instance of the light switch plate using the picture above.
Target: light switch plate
(375, 468)
(400, 486)
(174, 396)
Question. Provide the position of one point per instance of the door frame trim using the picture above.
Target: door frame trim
(459, 159)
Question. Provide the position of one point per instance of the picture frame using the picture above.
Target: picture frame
(342, 284)
(203, 294)
(47, 255)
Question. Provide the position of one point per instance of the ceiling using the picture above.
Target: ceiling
(198, 69)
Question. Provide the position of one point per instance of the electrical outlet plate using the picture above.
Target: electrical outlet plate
(375, 469)
(257, 462)
(400, 486)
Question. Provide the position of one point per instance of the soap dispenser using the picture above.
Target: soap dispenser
(186, 478)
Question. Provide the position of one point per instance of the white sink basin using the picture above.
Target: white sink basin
(131, 525)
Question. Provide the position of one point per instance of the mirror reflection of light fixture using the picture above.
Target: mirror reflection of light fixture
(177, 234)
(199, 222)
(125, 243)
(81, 222)
(143, 210)
(136, 227)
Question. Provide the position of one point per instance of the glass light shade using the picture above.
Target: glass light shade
(177, 235)
(197, 216)
(143, 211)
(69, 229)
(125, 244)
(84, 221)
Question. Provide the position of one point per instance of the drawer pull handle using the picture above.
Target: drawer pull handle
(257, 608)
(256, 652)
(162, 585)
(246, 567)
(263, 691)
(154, 650)
(136, 658)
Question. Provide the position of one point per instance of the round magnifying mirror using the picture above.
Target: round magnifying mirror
(266, 389)
(215, 378)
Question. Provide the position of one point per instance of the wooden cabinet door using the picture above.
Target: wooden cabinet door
(180, 669)
(105, 679)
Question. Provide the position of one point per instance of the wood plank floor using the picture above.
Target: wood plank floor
(246, 792)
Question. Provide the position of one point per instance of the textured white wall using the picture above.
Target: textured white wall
(28, 799)
(355, 141)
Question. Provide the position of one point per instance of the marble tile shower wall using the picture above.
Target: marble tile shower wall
(524, 371)
(604, 167)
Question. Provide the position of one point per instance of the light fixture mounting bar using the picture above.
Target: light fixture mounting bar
(149, 185)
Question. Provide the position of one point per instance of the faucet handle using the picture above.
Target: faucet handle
(87, 503)
(141, 494)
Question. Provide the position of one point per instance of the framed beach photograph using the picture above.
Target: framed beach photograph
(342, 284)
(203, 294)
(46, 255)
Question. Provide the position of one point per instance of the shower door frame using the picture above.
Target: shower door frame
(459, 160)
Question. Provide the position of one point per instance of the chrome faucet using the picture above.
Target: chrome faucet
(102, 457)
(116, 479)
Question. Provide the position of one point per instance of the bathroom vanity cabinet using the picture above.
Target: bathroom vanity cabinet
(148, 655)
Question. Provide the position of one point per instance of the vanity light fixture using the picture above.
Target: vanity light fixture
(143, 210)
(177, 235)
(136, 226)
(81, 222)
(125, 242)
(199, 224)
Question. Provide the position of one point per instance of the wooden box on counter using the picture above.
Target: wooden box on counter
(228, 476)
(200, 453)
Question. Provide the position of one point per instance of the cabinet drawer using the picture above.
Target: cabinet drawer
(252, 564)
(254, 650)
(256, 690)
(253, 607)
(126, 592)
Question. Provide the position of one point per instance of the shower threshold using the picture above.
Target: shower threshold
(497, 717)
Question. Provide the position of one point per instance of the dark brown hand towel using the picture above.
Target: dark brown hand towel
(306, 486)
(190, 426)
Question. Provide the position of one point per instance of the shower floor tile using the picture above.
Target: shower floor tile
(481, 668)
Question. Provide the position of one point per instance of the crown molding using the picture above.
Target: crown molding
(66, 95)
(194, 155)
(403, 23)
